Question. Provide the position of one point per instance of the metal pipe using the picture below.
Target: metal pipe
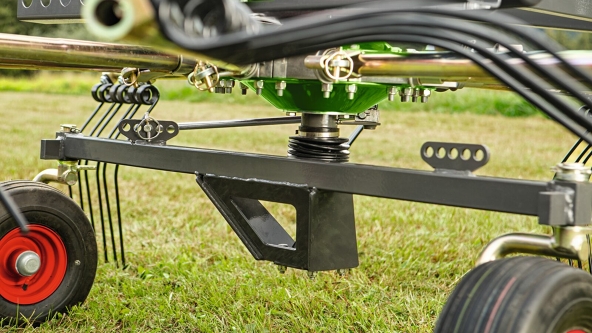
(46, 176)
(135, 21)
(441, 67)
(27, 52)
(566, 242)
(447, 68)
(240, 123)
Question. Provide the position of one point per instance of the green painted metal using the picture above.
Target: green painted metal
(307, 96)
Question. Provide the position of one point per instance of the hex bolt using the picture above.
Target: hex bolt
(228, 87)
(279, 87)
(415, 95)
(391, 92)
(259, 87)
(68, 128)
(243, 88)
(351, 90)
(425, 95)
(326, 88)
(406, 94)
(282, 269)
(27, 263)
(220, 87)
(312, 274)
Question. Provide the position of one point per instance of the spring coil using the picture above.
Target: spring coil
(326, 149)
(146, 94)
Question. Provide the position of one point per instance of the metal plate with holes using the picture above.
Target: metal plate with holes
(49, 11)
(148, 130)
(454, 156)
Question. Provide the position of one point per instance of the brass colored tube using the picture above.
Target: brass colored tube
(27, 52)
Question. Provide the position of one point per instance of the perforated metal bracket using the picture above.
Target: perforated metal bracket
(454, 156)
(148, 130)
(49, 11)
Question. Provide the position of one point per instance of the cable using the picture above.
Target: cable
(303, 35)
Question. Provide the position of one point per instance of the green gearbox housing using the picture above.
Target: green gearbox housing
(307, 96)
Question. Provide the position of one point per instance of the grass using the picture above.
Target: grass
(188, 272)
(462, 101)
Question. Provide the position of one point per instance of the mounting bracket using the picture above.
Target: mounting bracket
(325, 223)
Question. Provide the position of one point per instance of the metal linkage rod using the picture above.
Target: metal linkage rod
(14, 211)
(240, 123)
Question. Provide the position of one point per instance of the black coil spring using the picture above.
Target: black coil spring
(320, 149)
(125, 94)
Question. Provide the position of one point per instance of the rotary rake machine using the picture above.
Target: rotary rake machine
(326, 64)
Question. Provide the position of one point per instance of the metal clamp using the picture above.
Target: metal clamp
(205, 77)
(370, 119)
(148, 130)
(337, 64)
(66, 173)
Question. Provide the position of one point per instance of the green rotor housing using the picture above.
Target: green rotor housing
(307, 96)
(302, 95)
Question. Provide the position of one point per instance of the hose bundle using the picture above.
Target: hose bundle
(467, 33)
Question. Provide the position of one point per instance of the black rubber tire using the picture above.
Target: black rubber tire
(44, 205)
(520, 295)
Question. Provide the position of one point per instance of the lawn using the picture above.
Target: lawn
(188, 272)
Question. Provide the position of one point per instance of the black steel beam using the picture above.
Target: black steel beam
(487, 193)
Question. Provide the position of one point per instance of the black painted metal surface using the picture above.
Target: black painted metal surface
(487, 193)
(325, 223)
(454, 156)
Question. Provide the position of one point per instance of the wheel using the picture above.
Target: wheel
(52, 267)
(520, 295)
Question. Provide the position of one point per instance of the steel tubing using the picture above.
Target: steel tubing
(240, 123)
(453, 69)
(27, 52)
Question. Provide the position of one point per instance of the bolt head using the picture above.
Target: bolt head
(351, 88)
(68, 128)
(70, 178)
(259, 84)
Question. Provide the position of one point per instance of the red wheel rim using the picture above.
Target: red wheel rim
(48, 245)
